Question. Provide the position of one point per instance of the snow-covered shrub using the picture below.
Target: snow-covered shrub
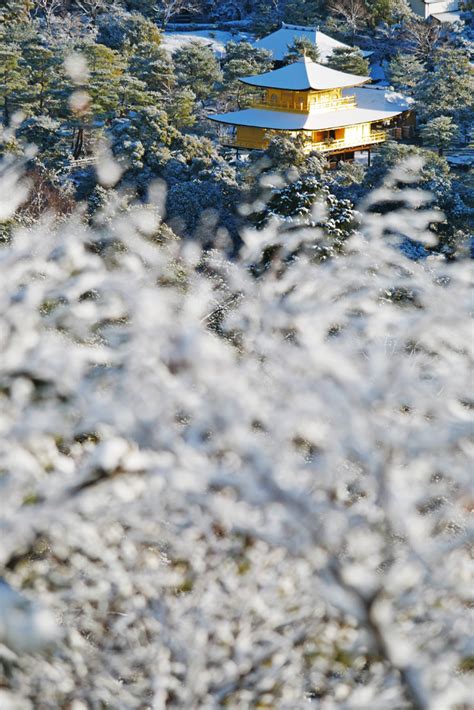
(233, 491)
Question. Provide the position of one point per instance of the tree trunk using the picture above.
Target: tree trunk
(78, 144)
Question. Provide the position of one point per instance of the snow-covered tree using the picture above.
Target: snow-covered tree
(197, 68)
(302, 47)
(439, 132)
(229, 491)
(405, 72)
(348, 59)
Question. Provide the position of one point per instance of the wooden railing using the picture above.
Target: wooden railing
(339, 143)
(343, 102)
(322, 146)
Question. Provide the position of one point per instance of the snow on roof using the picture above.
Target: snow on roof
(303, 75)
(278, 42)
(379, 98)
(316, 121)
(447, 16)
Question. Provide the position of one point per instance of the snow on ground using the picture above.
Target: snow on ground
(215, 39)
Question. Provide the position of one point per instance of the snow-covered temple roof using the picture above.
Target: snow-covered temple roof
(380, 98)
(278, 42)
(449, 17)
(373, 105)
(304, 75)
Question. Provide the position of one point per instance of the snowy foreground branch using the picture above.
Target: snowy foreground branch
(260, 509)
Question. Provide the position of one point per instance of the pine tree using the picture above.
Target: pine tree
(303, 12)
(302, 47)
(439, 132)
(197, 68)
(405, 72)
(181, 108)
(44, 70)
(12, 79)
(449, 88)
(152, 65)
(106, 70)
(139, 29)
(242, 59)
(13, 11)
(350, 60)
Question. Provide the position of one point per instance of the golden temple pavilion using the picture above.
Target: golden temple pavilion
(333, 111)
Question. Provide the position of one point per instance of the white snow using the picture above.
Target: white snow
(214, 39)
(447, 17)
(278, 42)
(286, 121)
(304, 75)
(380, 98)
(373, 104)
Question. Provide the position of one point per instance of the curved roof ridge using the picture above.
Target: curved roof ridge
(304, 75)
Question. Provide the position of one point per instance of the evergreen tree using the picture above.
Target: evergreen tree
(349, 60)
(242, 59)
(198, 69)
(303, 12)
(405, 72)
(138, 139)
(181, 107)
(439, 132)
(380, 11)
(13, 79)
(151, 64)
(266, 17)
(138, 29)
(106, 70)
(302, 47)
(44, 71)
(13, 11)
(449, 88)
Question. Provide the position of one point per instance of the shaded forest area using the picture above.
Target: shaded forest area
(147, 108)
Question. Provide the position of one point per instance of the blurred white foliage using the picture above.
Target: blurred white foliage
(272, 516)
(24, 626)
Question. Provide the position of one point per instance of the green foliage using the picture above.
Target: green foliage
(405, 72)
(181, 108)
(302, 47)
(439, 132)
(350, 60)
(138, 30)
(44, 71)
(448, 89)
(152, 65)
(242, 59)
(286, 152)
(13, 11)
(12, 79)
(198, 69)
(303, 12)
(44, 132)
(434, 173)
(435, 176)
(104, 86)
(265, 19)
(380, 10)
